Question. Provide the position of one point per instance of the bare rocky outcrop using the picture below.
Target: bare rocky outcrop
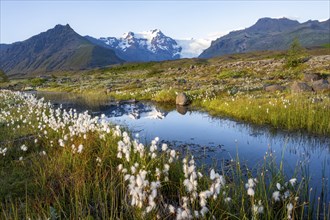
(274, 88)
(311, 77)
(298, 87)
(321, 85)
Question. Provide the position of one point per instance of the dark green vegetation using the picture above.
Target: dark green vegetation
(57, 165)
(3, 77)
(59, 48)
(270, 34)
(296, 54)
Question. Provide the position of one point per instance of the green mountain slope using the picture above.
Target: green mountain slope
(60, 48)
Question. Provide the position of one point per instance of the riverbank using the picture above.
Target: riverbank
(256, 87)
(82, 167)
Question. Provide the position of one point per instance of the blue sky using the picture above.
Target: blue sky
(178, 19)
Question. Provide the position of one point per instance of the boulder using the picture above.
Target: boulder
(310, 77)
(297, 87)
(274, 88)
(321, 85)
(181, 109)
(182, 99)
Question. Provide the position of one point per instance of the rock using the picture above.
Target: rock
(297, 87)
(129, 101)
(321, 85)
(181, 99)
(181, 109)
(107, 91)
(310, 77)
(182, 81)
(274, 88)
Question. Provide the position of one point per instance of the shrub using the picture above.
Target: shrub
(3, 76)
(296, 54)
(37, 81)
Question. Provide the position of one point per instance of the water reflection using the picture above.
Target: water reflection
(181, 109)
(213, 140)
(134, 111)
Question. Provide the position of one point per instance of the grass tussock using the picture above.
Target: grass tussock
(62, 164)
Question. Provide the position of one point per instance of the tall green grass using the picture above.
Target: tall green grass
(57, 182)
(293, 112)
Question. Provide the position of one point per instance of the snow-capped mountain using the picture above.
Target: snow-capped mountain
(145, 46)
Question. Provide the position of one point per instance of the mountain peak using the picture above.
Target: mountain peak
(267, 25)
(59, 48)
(128, 35)
(155, 31)
(60, 26)
(150, 45)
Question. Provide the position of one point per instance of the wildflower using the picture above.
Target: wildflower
(289, 207)
(278, 186)
(171, 209)
(98, 160)
(250, 192)
(133, 169)
(166, 167)
(259, 208)
(293, 181)
(204, 210)
(43, 153)
(250, 183)
(61, 142)
(212, 174)
(227, 200)
(24, 148)
(164, 147)
(286, 194)
(80, 148)
(276, 196)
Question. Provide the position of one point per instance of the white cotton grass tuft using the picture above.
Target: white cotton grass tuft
(276, 196)
(24, 147)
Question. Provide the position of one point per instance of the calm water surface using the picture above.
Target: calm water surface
(211, 140)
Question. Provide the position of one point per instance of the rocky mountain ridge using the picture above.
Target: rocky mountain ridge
(59, 48)
(270, 34)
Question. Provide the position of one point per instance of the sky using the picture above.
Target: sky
(182, 19)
